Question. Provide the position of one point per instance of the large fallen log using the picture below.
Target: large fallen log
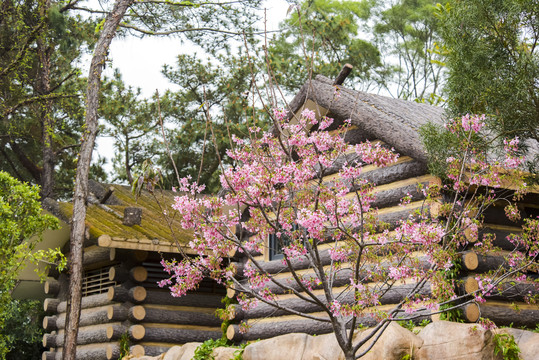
(51, 287)
(173, 333)
(500, 233)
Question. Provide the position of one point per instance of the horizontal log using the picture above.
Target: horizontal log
(115, 331)
(475, 262)
(88, 316)
(163, 297)
(266, 330)
(48, 355)
(155, 349)
(394, 295)
(173, 334)
(120, 293)
(49, 323)
(510, 290)
(95, 256)
(87, 302)
(121, 254)
(117, 312)
(174, 316)
(136, 313)
(87, 352)
(121, 274)
(86, 335)
(113, 351)
(504, 314)
(51, 287)
(500, 233)
(51, 305)
(342, 277)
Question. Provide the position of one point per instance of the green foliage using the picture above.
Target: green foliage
(493, 63)
(407, 34)
(21, 226)
(326, 34)
(505, 344)
(124, 345)
(204, 351)
(21, 334)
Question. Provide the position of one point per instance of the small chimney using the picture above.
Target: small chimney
(345, 71)
(132, 216)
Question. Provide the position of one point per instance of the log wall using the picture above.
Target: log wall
(131, 304)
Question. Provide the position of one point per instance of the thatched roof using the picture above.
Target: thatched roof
(394, 121)
(105, 221)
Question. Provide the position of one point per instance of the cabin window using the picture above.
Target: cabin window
(96, 281)
(274, 245)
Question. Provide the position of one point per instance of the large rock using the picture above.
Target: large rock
(394, 344)
(224, 353)
(289, 347)
(184, 352)
(454, 341)
(527, 341)
(322, 347)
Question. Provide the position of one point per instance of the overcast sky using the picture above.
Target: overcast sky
(140, 62)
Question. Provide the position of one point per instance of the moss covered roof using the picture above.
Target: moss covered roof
(107, 220)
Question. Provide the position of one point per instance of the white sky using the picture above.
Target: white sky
(140, 62)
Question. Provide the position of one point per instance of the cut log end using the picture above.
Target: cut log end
(113, 351)
(230, 333)
(50, 305)
(138, 313)
(470, 285)
(139, 273)
(137, 351)
(104, 240)
(472, 312)
(230, 293)
(137, 332)
(139, 293)
(471, 261)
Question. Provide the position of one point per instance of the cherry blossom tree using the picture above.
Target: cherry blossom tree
(278, 188)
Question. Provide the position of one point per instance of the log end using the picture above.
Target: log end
(231, 333)
(471, 261)
(139, 293)
(140, 255)
(470, 285)
(139, 273)
(472, 312)
(230, 293)
(110, 293)
(137, 351)
(137, 332)
(138, 312)
(104, 241)
(50, 304)
(112, 254)
(113, 351)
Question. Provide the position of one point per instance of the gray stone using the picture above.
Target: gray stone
(527, 341)
(395, 343)
(322, 347)
(454, 341)
(289, 347)
(224, 353)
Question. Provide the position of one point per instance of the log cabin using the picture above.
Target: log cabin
(395, 123)
(126, 238)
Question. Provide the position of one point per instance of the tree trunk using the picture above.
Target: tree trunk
(83, 167)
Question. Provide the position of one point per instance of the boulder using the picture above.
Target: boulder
(527, 341)
(184, 352)
(291, 346)
(455, 341)
(224, 353)
(394, 344)
(322, 347)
